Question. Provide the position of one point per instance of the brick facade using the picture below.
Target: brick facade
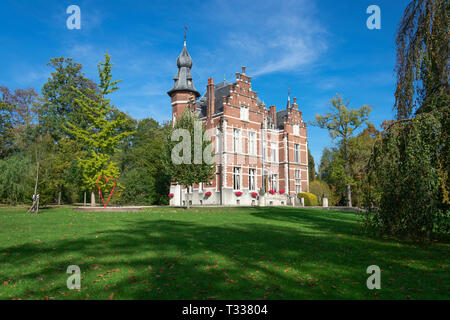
(255, 148)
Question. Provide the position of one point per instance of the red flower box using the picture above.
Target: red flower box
(272, 191)
(171, 195)
(254, 194)
(238, 193)
(208, 193)
(281, 191)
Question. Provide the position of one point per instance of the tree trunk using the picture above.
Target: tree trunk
(59, 198)
(85, 198)
(187, 198)
(92, 199)
(348, 173)
(35, 206)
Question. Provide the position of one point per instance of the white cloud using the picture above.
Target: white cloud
(271, 36)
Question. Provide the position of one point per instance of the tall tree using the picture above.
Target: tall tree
(102, 135)
(20, 109)
(422, 58)
(6, 130)
(143, 173)
(58, 96)
(341, 123)
(311, 167)
(182, 160)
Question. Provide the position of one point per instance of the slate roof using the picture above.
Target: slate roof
(183, 79)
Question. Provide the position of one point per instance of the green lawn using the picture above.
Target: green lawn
(210, 253)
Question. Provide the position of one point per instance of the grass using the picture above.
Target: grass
(210, 253)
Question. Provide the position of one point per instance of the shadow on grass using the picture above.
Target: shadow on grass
(170, 259)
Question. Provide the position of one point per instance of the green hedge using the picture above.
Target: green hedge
(310, 198)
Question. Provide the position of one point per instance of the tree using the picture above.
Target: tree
(143, 173)
(311, 167)
(325, 160)
(422, 58)
(20, 111)
(182, 161)
(341, 123)
(407, 177)
(6, 130)
(102, 135)
(16, 179)
(58, 96)
(321, 189)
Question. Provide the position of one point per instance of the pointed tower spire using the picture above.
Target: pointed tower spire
(183, 79)
(289, 99)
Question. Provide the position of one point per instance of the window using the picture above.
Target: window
(218, 141)
(244, 113)
(236, 140)
(251, 179)
(274, 152)
(273, 182)
(296, 152)
(296, 130)
(252, 143)
(266, 153)
(298, 182)
(236, 178)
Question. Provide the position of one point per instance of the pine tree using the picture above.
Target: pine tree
(102, 136)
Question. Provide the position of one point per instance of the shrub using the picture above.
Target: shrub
(310, 198)
(320, 188)
(16, 179)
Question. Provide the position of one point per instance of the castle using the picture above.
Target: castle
(257, 150)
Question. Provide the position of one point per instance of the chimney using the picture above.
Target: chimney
(295, 105)
(210, 105)
(273, 115)
(243, 69)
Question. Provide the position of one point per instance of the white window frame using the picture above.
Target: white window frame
(296, 152)
(298, 181)
(237, 178)
(237, 145)
(218, 141)
(274, 152)
(244, 114)
(296, 130)
(273, 182)
(252, 143)
(252, 179)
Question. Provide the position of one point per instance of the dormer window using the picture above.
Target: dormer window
(244, 113)
(296, 130)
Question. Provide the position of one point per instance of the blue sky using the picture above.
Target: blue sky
(316, 48)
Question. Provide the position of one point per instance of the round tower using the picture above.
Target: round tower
(183, 90)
